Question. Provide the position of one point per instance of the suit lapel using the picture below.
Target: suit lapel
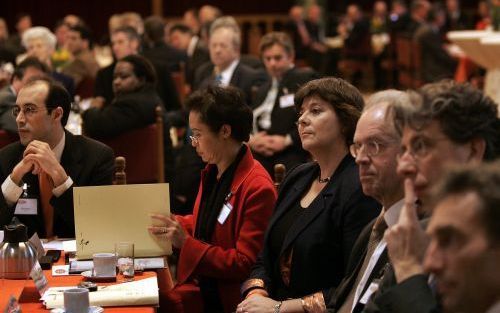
(323, 200)
(72, 154)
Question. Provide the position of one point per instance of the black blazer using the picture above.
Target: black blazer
(200, 56)
(323, 237)
(86, 161)
(244, 77)
(354, 266)
(126, 112)
(283, 118)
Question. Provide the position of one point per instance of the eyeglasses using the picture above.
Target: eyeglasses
(371, 148)
(419, 147)
(28, 110)
(195, 139)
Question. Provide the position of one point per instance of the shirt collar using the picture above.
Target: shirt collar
(13, 90)
(59, 148)
(391, 215)
(228, 73)
(192, 45)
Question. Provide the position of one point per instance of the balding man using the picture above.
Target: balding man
(375, 147)
(47, 161)
(225, 67)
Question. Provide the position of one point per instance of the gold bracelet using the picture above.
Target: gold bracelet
(277, 307)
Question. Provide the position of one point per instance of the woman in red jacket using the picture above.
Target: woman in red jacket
(219, 243)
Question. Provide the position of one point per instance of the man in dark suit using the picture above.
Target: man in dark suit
(274, 138)
(156, 50)
(449, 124)
(225, 67)
(184, 39)
(47, 162)
(376, 144)
(437, 63)
(27, 69)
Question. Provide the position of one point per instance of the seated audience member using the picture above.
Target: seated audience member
(134, 104)
(83, 64)
(184, 39)
(126, 41)
(419, 13)
(156, 50)
(61, 55)
(7, 52)
(22, 24)
(317, 56)
(275, 138)
(449, 124)
(355, 30)
(207, 14)
(27, 69)
(48, 161)
(226, 68)
(40, 42)
(464, 251)
(483, 15)
(400, 18)
(376, 145)
(321, 208)
(437, 63)
(296, 28)
(455, 18)
(219, 243)
(190, 19)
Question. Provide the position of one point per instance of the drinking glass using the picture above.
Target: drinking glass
(125, 260)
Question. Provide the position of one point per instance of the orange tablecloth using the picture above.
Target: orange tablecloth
(28, 295)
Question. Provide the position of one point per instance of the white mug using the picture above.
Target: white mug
(104, 264)
(76, 300)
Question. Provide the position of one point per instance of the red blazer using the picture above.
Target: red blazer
(236, 243)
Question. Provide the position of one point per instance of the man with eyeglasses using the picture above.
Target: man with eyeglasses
(47, 162)
(376, 144)
(449, 124)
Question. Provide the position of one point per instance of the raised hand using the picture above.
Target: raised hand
(407, 241)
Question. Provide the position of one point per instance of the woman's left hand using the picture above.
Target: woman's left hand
(257, 304)
(169, 227)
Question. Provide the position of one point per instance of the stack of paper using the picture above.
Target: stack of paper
(142, 292)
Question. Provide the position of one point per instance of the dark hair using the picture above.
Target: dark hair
(223, 105)
(463, 112)
(154, 29)
(345, 99)
(183, 28)
(57, 96)
(143, 69)
(484, 181)
(84, 31)
(129, 31)
(29, 62)
(276, 38)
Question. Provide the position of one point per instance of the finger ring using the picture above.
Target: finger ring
(162, 230)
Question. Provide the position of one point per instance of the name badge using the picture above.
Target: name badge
(224, 213)
(286, 101)
(369, 292)
(26, 206)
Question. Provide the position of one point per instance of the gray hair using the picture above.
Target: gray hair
(228, 22)
(393, 101)
(39, 32)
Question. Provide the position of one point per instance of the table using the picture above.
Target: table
(483, 48)
(28, 295)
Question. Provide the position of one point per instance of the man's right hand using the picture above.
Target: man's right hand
(21, 169)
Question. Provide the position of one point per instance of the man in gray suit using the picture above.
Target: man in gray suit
(27, 69)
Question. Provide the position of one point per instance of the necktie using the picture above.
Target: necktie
(218, 80)
(45, 185)
(376, 236)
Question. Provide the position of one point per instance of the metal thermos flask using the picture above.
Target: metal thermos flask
(17, 255)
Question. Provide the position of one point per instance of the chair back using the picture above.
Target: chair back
(143, 150)
(7, 138)
(85, 88)
(179, 79)
(279, 175)
(120, 175)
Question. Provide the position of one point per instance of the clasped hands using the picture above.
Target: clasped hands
(38, 157)
(267, 145)
(169, 227)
